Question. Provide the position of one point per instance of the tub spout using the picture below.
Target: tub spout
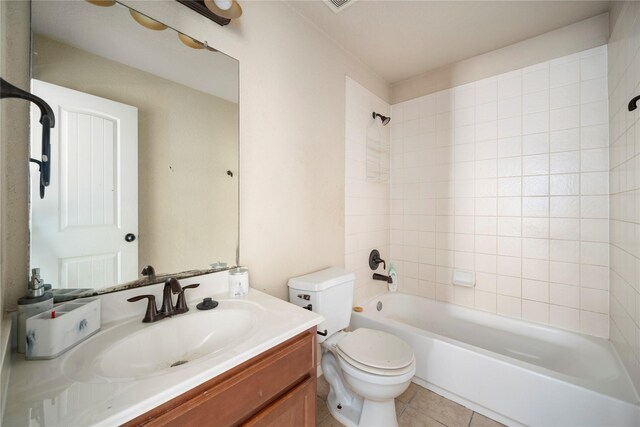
(382, 277)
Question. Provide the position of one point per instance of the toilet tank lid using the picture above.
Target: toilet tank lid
(321, 280)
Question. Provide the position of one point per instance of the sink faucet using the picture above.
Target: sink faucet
(171, 286)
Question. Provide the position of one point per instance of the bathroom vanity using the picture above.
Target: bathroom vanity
(277, 387)
(251, 360)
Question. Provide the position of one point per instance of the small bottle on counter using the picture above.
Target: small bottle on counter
(38, 300)
(238, 282)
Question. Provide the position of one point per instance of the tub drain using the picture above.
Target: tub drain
(379, 306)
(179, 362)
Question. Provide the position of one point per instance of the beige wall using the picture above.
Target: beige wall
(583, 35)
(188, 216)
(292, 114)
(14, 132)
(14, 145)
(624, 154)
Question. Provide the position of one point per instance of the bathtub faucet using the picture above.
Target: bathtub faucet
(375, 260)
(382, 277)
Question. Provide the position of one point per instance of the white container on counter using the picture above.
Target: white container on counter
(238, 282)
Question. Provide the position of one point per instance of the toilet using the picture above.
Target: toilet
(366, 369)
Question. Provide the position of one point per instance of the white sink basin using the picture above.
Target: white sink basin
(133, 350)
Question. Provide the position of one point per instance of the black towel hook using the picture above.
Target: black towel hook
(633, 104)
(48, 121)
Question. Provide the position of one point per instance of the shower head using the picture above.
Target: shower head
(385, 119)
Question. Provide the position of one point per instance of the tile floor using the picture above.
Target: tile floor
(416, 407)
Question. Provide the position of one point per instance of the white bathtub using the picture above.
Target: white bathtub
(515, 372)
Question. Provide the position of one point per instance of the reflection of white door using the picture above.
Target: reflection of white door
(78, 230)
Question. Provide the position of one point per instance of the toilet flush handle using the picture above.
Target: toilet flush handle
(324, 334)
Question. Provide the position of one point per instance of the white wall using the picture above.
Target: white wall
(507, 176)
(624, 152)
(366, 202)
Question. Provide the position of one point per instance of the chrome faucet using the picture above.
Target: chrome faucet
(167, 309)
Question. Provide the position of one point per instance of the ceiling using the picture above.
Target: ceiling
(400, 39)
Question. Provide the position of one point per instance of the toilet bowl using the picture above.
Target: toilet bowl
(366, 369)
(375, 366)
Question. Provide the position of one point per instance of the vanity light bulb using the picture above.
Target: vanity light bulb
(229, 9)
(223, 4)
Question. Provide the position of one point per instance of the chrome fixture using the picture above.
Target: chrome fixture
(385, 119)
(171, 286)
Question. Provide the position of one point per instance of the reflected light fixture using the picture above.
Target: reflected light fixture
(147, 22)
(229, 9)
(102, 3)
(191, 42)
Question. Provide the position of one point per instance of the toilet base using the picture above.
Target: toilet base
(379, 414)
(349, 408)
(361, 412)
(348, 414)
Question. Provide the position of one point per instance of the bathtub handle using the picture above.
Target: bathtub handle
(324, 334)
(375, 260)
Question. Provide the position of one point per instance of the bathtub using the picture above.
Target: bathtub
(515, 372)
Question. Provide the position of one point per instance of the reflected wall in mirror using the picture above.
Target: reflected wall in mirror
(144, 153)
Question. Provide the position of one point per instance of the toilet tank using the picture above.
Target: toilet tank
(328, 292)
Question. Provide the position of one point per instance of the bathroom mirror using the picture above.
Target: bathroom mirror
(144, 154)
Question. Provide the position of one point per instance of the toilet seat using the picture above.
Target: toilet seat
(376, 352)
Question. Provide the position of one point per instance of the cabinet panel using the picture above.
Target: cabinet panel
(241, 393)
(296, 408)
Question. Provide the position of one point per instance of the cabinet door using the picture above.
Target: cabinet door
(297, 408)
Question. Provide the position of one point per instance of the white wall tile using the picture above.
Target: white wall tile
(509, 176)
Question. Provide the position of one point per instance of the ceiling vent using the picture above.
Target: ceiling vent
(338, 5)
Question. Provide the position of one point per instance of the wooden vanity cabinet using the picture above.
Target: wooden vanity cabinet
(275, 388)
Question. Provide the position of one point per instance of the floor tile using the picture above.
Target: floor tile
(416, 407)
(329, 422)
(412, 418)
(409, 393)
(479, 420)
(399, 408)
(441, 409)
(323, 388)
(322, 411)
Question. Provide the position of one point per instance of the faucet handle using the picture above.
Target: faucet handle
(151, 314)
(181, 304)
(149, 271)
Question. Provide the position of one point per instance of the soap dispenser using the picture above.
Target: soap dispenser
(37, 300)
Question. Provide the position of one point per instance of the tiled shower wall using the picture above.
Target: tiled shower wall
(366, 201)
(624, 152)
(508, 177)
